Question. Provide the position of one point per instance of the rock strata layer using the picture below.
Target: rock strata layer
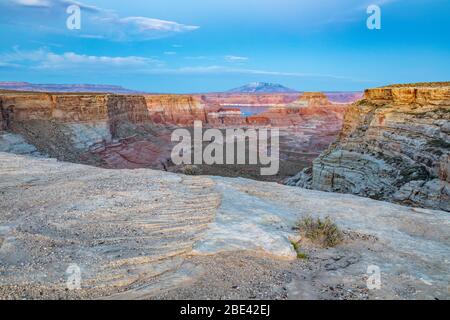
(394, 145)
(134, 131)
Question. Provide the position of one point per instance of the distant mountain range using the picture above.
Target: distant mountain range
(26, 86)
(254, 87)
(262, 87)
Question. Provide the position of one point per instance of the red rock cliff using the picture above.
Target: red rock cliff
(176, 109)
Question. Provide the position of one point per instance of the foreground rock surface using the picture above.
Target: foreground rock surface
(147, 234)
(394, 145)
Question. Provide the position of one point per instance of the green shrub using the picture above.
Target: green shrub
(323, 232)
(190, 170)
(300, 254)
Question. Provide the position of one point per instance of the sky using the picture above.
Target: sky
(191, 46)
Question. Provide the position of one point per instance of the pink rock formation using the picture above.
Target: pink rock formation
(308, 108)
(249, 98)
(133, 153)
(133, 131)
(175, 109)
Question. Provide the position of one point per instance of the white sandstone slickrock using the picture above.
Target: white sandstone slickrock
(152, 234)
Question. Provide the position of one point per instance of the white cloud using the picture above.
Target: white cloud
(231, 58)
(72, 59)
(146, 24)
(96, 22)
(83, 6)
(139, 28)
(198, 58)
(8, 65)
(33, 3)
(217, 69)
(44, 59)
(55, 3)
(170, 53)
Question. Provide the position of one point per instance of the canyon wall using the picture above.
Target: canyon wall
(134, 131)
(61, 108)
(344, 96)
(268, 99)
(176, 109)
(2, 120)
(394, 145)
(164, 109)
(100, 129)
(310, 109)
(272, 99)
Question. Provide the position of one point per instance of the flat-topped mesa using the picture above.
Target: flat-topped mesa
(314, 99)
(67, 107)
(68, 126)
(310, 108)
(414, 95)
(394, 145)
(82, 109)
(175, 109)
(43, 106)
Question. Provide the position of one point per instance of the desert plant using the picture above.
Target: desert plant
(300, 254)
(190, 170)
(323, 232)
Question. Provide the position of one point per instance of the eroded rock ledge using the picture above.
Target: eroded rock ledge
(394, 145)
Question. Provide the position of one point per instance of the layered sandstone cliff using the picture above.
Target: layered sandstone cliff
(100, 129)
(394, 145)
(134, 131)
(2, 120)
(176, 109)
(310, 109)
(257, 99)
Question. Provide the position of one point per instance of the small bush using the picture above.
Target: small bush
(323, 232)
(300, 254)
(190, 170)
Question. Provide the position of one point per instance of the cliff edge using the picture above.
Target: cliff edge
(394, 146)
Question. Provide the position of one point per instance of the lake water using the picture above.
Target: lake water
(249, 110)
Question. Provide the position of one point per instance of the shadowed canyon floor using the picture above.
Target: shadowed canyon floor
(149, 234)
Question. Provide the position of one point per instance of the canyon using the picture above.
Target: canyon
(392, 145)
(78, 189)
(134, 130)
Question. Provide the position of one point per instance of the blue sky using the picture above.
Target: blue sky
(203, 45)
